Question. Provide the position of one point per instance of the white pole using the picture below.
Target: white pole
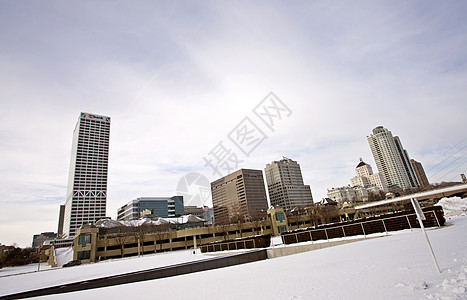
(421, 217)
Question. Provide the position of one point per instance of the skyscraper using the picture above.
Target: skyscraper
(87, 182)
(285, 185)
(239, 196)
(392, 160)
(420, 173)
(406, 162)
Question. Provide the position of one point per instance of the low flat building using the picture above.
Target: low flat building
(164, 207)
(39, 239)
(195, 211)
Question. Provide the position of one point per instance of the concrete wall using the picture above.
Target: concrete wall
(294, 249)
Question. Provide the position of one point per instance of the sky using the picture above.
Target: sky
(180, 81)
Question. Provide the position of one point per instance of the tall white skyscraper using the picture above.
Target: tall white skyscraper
(87, 182)
(285, 185)
(392, 160)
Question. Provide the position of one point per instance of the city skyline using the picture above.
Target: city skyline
(177, 78)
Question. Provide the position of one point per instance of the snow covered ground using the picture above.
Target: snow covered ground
(55, 276)
(396, 266)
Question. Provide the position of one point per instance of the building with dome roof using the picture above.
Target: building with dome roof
(365, 177)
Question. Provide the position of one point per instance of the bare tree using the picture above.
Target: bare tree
(121, 237)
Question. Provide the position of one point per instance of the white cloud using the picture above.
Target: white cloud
(177, 78)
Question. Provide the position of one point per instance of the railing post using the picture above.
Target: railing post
(311, 237)
(407, 217)
(384, 224)
(364, 234)
(343, 231)
(296, 237)
(254, 244)
(436, 217)
(325, 231)
(244, 244)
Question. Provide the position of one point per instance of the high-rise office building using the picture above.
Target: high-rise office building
(420, 173)
(87, 182)
(285, 185)
(391, 159)
(164, 207)
(407, 164)
(239, 196)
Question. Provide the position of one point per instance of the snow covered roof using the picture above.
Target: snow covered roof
(108, 223)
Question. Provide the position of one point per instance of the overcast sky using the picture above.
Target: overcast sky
(177, 77)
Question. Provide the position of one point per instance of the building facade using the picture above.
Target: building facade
(86, 198)
(39, 239)
(390, 158)
(285, 185)
(239, 196)
(406, 163)
(164, 207)
(61, 219)
(365, 177)
(352, 194)
(420, 173)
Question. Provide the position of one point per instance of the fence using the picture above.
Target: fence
(262, 241)
(399, 221)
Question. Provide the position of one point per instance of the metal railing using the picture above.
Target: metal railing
(383, 221)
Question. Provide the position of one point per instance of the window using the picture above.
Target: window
(84, 254)
(84, 239)
(281, 229)
(280, 217)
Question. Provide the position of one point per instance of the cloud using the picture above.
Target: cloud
(176, 78)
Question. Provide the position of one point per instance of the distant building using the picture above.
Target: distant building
(342, 194)
(285, 185)
(239, 196)
(352, 194)
(164, 207)
(39, 239)
(365, 177)
(195, 211)
(61, 218)
(205, 213)
(208, 215)
(420, 173)
(392, 159)
(86, 197)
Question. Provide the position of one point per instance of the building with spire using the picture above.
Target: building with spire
(365, 177)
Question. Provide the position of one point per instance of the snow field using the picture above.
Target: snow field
(396, 266)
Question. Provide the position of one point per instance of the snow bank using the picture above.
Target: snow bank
(453, 206)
